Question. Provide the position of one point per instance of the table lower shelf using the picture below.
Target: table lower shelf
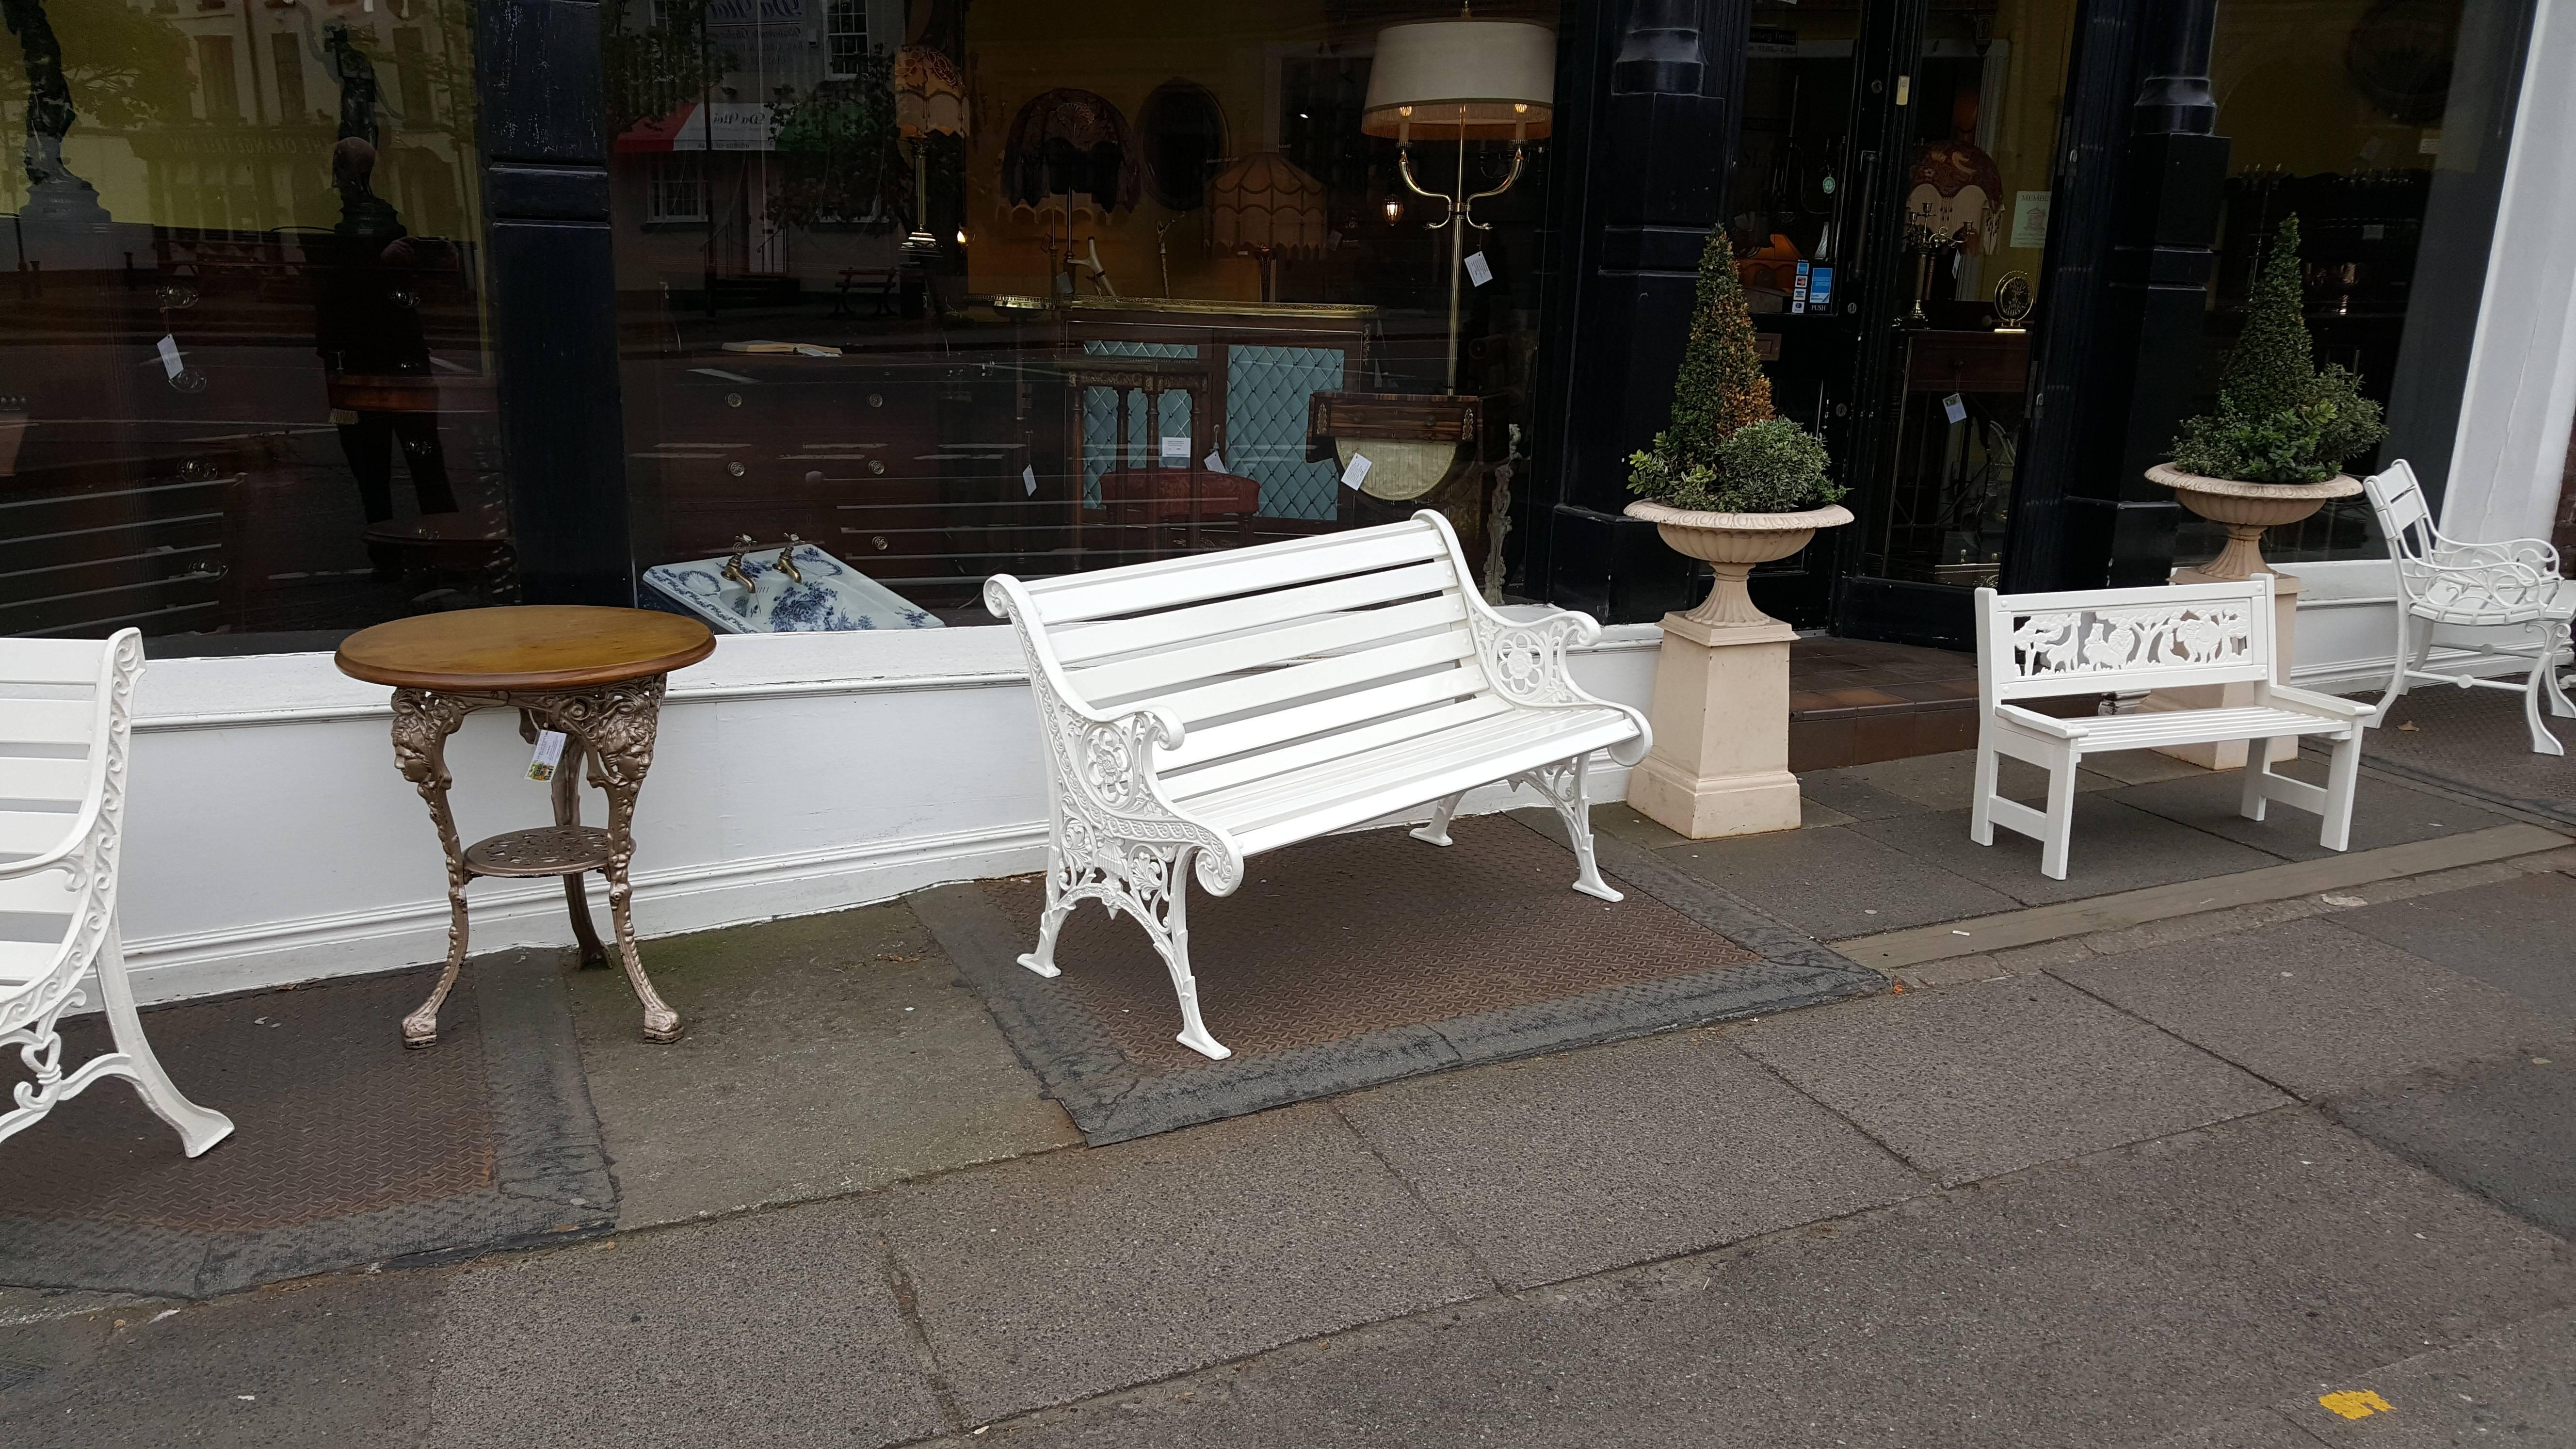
(544, 850)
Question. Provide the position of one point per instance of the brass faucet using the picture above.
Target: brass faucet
(742, 544)
(787, 559)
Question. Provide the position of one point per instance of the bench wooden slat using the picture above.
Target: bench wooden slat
(1342, 744)
(1086, 643)
(1215, 742)
(1113, 592)
(39, 893)
(25, 961)
(32, 832)
(49, 661)
(28, 779)
(47, 721)
(1237, 696)
(1342, 805)
(1170, 668)
(1288, 794)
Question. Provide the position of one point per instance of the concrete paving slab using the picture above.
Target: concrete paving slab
(1621, 823)
(2316, 1008)
(2512, 934)
(2517, 1386)
(1847, 794)
(825, 1055)
(777, 1328)
(2506, 1131)
(2116, 847)
(1875, 888)
(1572, 1164)
(1054, 1278)
(2107, 1301)
(2138, 767)
(1999, 1075)
(325, 1363)
(1948, 781)
(2384, 812)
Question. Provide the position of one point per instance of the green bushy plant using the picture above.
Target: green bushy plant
(1726, 451)
(2280, 418)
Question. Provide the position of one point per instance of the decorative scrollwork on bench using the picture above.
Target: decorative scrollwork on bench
(1527, 661)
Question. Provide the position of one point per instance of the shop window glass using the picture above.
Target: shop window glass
(245, 394)
(1029, 288)
(2381, 124)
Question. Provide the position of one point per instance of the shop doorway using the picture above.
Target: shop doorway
(1889, 207)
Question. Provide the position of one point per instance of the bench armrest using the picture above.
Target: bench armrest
(1525, 661)
(1112, 813)
(2042, 724)
(2308, 701)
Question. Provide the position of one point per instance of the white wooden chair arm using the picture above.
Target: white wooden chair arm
(2305, 701)
(2046, 724)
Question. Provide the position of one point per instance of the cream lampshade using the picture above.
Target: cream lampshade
(1450, 80)
(1263, 205)
(1461, 80)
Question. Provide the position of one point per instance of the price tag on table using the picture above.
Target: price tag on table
(549, 754)
(1956, 407)
(169, 349)
(1029, 480)
(1478, 271)
(1357, 473)
(1215, 462)
(1176, 451)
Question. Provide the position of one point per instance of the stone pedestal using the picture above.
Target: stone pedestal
(1720, 765)
(2230, 754)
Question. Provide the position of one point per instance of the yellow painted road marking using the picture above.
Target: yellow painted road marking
(2356, 1403)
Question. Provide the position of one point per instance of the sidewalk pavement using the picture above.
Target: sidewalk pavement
(2213, 1176)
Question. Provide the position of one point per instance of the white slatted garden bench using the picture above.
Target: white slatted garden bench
(1202, 710)
(66, 712)
(2118, 640)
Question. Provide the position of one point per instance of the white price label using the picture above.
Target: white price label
(1956, 407)
(1215, 462)
(1357, 473)
(170, 363)
(549, 754)
(1176, 450)
(1478, 271)
(1029, 480)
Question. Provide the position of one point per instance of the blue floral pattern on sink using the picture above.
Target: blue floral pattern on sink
(834, 596)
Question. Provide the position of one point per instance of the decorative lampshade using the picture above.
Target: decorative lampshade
(1500, 73)
(1263, 204)
(929, 94)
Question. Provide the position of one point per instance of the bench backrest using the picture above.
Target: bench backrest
(2100, 640)
(65, 710)
(1256, 646)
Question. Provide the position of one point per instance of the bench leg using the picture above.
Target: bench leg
(2343, 773)
(2061, 817)
(2253, 800)
(1981, 815)
(1563, 785)
(2557, 639)
(198, 1127)
(2544, 667)
(1172, 938)
(1437, 832)
(1050, 921)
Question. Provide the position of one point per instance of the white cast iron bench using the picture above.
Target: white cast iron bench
(66, 717)
(1202, 710)
(2117, 640)
(2515, 584)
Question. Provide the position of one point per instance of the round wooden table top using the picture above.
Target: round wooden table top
(531, 646)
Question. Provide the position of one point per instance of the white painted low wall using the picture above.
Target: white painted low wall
(272, 840)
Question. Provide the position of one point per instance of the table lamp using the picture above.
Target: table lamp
(929, 99)
(1264, 205)
(1461, 80)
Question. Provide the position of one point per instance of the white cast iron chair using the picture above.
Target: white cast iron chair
(2441, 580)
(66, 717)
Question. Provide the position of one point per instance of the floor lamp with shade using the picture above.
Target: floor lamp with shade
(1263, 205)
(929, 100)
(1461, 80)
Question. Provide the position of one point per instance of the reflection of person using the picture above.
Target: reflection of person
(374, 355)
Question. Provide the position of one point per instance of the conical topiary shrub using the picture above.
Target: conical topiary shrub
(2280, 418)
(1726, 451)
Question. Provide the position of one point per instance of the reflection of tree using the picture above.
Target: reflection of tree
(103, 60)
(656, 58)
(838, 153)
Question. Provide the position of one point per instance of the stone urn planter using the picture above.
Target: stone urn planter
(2246, 510)
(1731, 544)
